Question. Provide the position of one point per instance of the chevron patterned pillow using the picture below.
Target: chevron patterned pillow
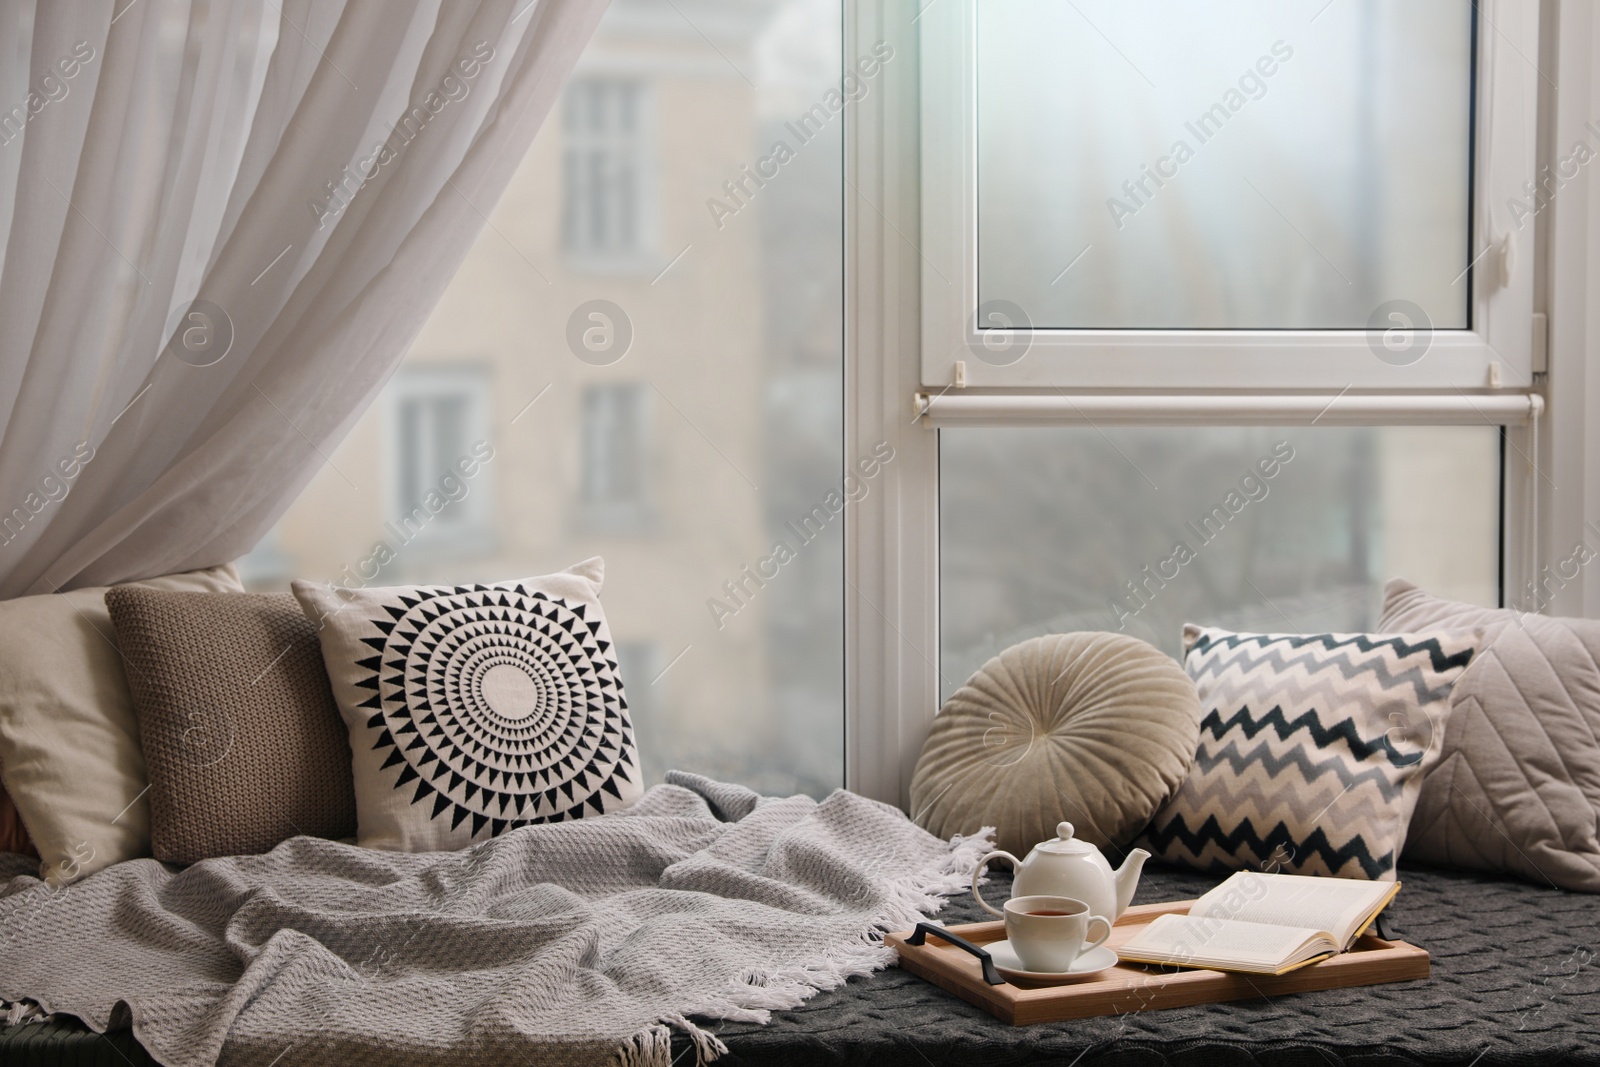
(1312, 749)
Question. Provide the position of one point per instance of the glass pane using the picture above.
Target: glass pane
(660, 336)
(1143, 530)
(1253, 164)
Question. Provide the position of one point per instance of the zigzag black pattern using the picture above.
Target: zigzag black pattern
(1244, 836)
(1284, 727)
(1234, 756)
(1365, 642)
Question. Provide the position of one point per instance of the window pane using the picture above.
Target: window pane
(659, 338)
(1240, 163)
(1143, 530)
(440, 411)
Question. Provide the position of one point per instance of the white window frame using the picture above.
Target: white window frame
(1497, 352)
(902, 340)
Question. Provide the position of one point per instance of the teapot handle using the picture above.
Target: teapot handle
(978, 870)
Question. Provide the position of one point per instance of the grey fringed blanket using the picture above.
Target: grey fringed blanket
(574, 943)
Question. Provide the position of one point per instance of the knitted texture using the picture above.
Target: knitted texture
(1514, 984)
(585, 942)
(241, 738)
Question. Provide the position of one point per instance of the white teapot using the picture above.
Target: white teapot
(1065, 867)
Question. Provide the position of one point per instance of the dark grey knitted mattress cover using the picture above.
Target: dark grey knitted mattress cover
(1516, 980)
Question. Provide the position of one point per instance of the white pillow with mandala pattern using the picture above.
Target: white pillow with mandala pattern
(1312, 749)
(473, 709)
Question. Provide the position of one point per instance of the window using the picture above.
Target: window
(440, 431)
(1241, 195)
(1139, 530)
(907, 354)
(603, 170)
(1277, 174)
(1152, 244)
(615, 453)
(675, 432)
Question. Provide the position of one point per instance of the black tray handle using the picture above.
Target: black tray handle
(920, 935)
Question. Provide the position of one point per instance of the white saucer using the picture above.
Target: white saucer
(1089, 963)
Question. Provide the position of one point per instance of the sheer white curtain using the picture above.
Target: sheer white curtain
(223, 224)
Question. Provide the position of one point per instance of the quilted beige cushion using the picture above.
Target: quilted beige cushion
(1094, 728)
(1517, 788)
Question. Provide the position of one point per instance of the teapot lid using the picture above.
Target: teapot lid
(1065, 843)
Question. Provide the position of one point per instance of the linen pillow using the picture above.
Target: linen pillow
(475, 708)
(1517, 787)
(1096, 729)
(1312, 749)
(69, 745)
(241, 739)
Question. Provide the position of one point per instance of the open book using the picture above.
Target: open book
(1263, 923)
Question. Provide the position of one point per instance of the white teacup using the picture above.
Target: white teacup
(1048, 933)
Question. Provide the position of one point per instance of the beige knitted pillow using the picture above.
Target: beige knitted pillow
(1095, 728)
(242, 740)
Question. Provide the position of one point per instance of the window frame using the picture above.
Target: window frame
(892, 536)
(1496, 352)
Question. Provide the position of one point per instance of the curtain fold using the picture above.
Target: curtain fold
(227, 223)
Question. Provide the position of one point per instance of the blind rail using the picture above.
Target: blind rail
(1335, 409)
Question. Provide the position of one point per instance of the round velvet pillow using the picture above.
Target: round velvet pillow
(1093, 728)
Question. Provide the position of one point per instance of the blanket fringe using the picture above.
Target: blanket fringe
(652, 1046)
(707, 1046)
(21, 1011)
(755, 994)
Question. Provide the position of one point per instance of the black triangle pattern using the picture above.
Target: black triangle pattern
(554, 746)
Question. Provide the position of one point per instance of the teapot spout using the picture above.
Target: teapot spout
(1127, 877)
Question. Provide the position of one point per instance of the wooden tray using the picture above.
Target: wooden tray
(1132, 987)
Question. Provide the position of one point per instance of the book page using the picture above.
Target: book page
(1189, 941)
(1337, 905)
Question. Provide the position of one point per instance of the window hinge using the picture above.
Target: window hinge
(960, 380)
(1541, 342)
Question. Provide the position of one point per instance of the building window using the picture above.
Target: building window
(614, 483)
(604, 171)
(439, 482)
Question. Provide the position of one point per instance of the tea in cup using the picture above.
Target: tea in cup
(1049, 933)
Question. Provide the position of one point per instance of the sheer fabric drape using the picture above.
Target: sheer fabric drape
(223, 224)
